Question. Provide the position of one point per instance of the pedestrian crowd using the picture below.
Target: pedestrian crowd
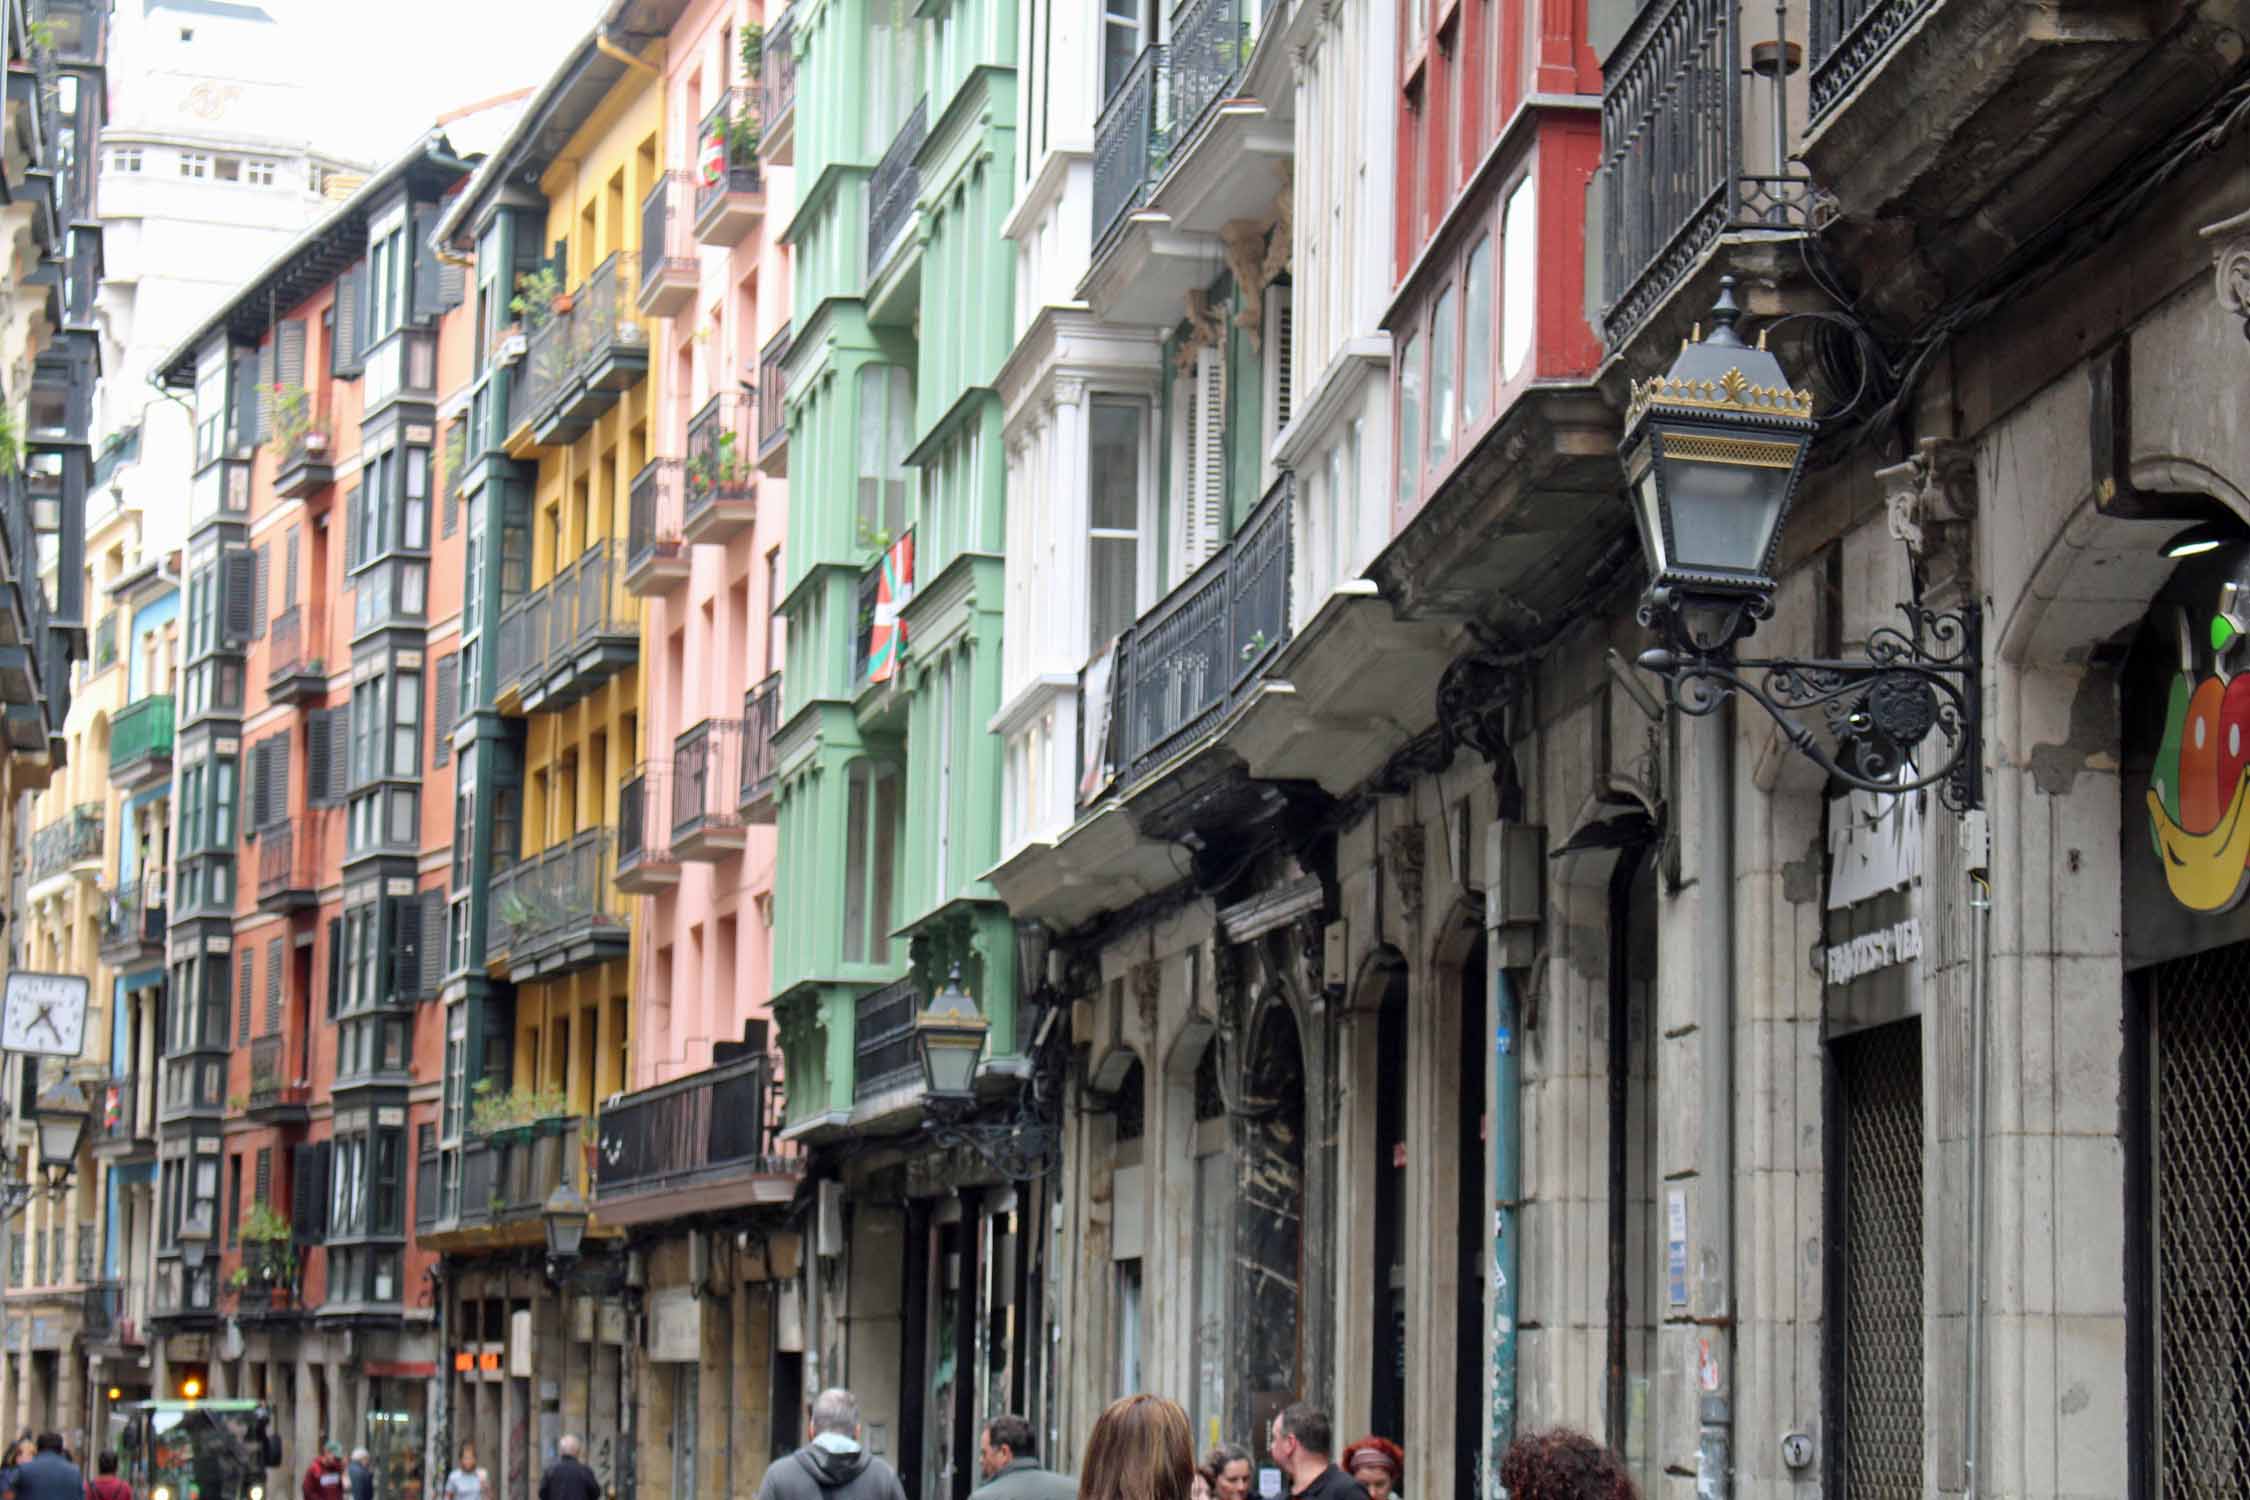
(1142, 1448)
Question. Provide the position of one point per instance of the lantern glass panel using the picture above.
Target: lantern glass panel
(1724, 514)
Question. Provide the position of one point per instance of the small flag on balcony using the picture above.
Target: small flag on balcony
(886, 643)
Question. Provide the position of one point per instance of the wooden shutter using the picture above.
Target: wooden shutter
(1203, 499)
(276, 777)
(406, 947)
(347, 357)
(428, 285)
(433, 943)
(308, 1198)
(261, 593)
(289, 575)
(1280, 354)
(254, 788)
(264, 1189)
(274, 962)
(339, 752)
(289, 352)
(351, 517)
(316, 759)
(237, 594)
(453, 285)
(442, 712)
(335, 964)
(246, 407)
(264, 403)
(248, 987)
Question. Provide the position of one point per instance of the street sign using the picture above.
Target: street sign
(44, 1014)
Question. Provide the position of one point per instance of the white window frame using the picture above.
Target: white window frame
(195, 165)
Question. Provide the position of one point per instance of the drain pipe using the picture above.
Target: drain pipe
(1976, 835)
(1713, 1306)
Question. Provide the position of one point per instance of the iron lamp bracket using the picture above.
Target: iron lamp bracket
(1879, 714)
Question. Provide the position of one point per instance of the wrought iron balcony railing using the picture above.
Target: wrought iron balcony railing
(761, 720)
(1849, 37)
(507, 1181)
(133, 917)
(274, 1095)
(706, 782)
(288, 867)
(896, 186)
(883, 1052)
(122, 1118)
(607, 325)
(669, 267)
(773, 391)
(140, 737)
(722, 484)
(727, 181)
(777, 72)
(556, 895)
(547, 366)
(645, 861)
(1674, 160)
(655, 552)
(1129, 143)
(715, 1124)
(563, 639)
(1186, 664)
(72, 839)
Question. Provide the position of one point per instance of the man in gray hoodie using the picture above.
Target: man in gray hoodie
(833, 1466)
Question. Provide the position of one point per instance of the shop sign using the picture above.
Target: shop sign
(1874, 853)
(1899, 943)
(2199, 786)
(675, 1326)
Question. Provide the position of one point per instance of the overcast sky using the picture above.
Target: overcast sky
(381, 76)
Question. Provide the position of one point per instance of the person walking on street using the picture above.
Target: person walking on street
(832, 1465)
(1563, 1465)
(567, 1478)
(360, 1477)
(324, 1476)
(106, 1485)
(1140, 1449)
(1379, 1465)
(1300, 1440)
(1008, 1456)
(1226, 1472)
(467, 1481)
(50, 1475)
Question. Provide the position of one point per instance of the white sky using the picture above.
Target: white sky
(381, 75)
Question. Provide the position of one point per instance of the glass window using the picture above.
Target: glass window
(1123, 37)
(1441, 377)
(1517, 289)
(886, 436)
(1476, 333)
(1409, 422)
(1114, 505)
(871, 815)
(406, 724)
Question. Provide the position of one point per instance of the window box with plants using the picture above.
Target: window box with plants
(267, 1276)
(300, 437)
(729, 194)
(721, 475)
(513, 1116)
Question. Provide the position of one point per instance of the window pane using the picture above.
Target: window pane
(1441, 377)
(856, 807)
(1476, 333)
(1409, 423)
(1517, 290)
(887, 812)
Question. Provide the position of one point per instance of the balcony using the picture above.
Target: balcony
(706, 782)
(543, 379)
(125, 1125)
(722, 487)
(72, 841)
(275, 1097)
(669, 268)
(182, 1299)
(656, 555)
(730, 196)
(107, 1323)
(288, 868)
(761, 720)
(1676, 159)
(884, 1057)
(140, 743)
(645, 862)
(773, 403)
(695, 1145)
(1128, 144)
(566, 638)
(295, 672)
(270, 1290)
(777, 91)
(132, 923)
(879, 645)
(505, 1182)
(555, 912)
(1183, 668)
(307, 462)
(896, 188)
(611, 339)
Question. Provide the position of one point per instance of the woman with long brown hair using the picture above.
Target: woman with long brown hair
(1140, 1449)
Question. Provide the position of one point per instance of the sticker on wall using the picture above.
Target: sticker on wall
(2199, 787)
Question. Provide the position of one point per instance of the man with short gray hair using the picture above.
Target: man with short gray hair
(832, 1465)
(360, 1477)
(567, 1478)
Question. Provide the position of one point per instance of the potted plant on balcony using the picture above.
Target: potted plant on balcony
(513, 1115)
(721, 468)
(294, 436)
(539, 298)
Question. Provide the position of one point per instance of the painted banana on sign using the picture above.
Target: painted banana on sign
(2199, 788)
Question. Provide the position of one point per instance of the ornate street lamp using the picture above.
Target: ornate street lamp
(1713, 451)
(565, 1215)
(63, 1117)
(950, 1037)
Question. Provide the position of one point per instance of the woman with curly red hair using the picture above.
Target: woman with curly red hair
(1563, 1465)
(1379, 1465)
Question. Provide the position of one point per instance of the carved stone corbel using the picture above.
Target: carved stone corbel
(1406, 851)
(1204, 323)
(1245, 244)
(2230, 258)
(1148, 988)
(1932, 499)
(1279, 242)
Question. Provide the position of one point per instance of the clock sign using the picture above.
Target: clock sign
(44, 1013)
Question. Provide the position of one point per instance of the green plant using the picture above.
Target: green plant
(743, 136)
(265, 1227)
(11, 440)
(239, 1277)
(534, 301)
(456, 453)
(41, 35)
(237, 1103)
(722, 466)
(491, 1111)
(753, 51)
(874, 538)
(292, 417)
